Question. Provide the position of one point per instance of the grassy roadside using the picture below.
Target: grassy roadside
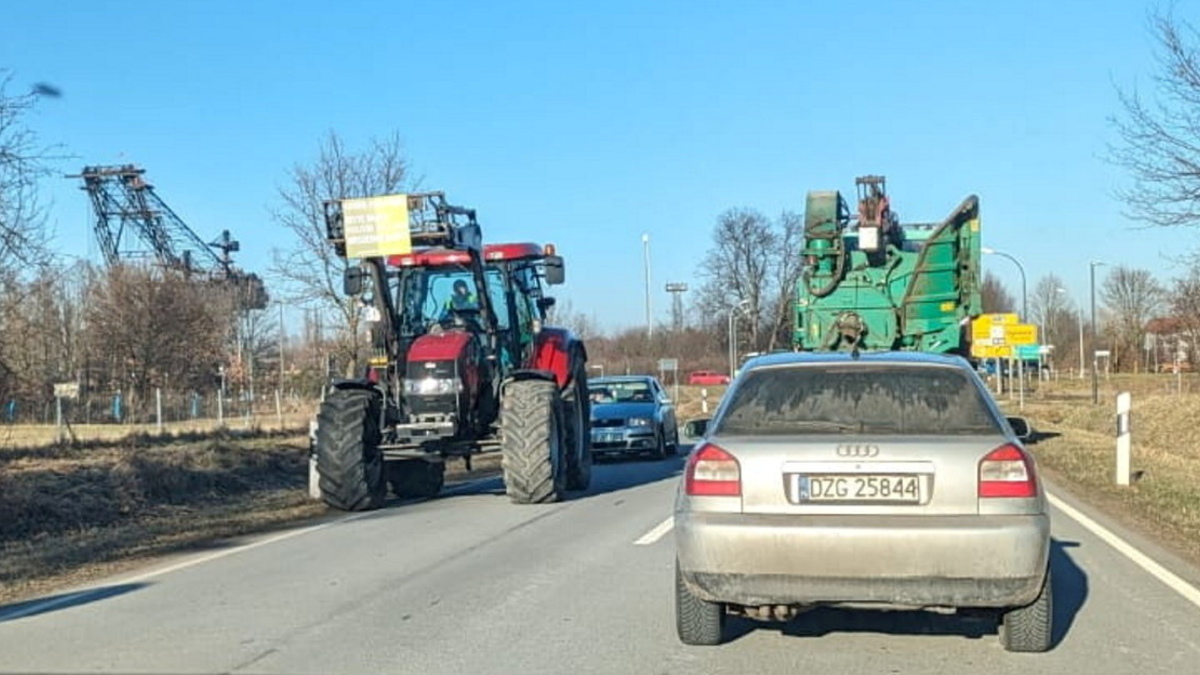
(73, 513)
(1078, 449)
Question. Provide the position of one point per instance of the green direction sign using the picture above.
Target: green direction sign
(1027, 352)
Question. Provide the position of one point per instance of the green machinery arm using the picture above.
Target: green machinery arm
(883, 285)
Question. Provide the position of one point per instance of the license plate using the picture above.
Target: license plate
(609, 437)
(905, 489)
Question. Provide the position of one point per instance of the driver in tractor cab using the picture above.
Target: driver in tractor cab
(462, 299)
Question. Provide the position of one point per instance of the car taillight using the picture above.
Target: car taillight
(1007, 472)
(712, 472)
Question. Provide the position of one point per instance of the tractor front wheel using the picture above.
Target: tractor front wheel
(349, 463)
(532, 444)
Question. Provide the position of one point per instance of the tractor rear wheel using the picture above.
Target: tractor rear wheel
(534, 471)
(416, 477)
(578, 415)
(349, 463)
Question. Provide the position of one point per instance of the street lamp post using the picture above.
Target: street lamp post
(646, 255)
(733, 314)
(1021, 268)
(282, 335)
(1095, 359)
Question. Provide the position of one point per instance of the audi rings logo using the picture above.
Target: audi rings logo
(857, 451)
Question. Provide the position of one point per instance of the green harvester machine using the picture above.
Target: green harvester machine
(871, 283)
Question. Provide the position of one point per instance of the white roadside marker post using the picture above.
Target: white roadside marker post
(1124, 405)
(704, 401)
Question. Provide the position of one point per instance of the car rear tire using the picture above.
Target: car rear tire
(697, 621)
(1029, 628)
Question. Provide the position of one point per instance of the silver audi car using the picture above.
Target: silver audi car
(880, 480)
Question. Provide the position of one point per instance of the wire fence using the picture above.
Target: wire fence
(161, 407)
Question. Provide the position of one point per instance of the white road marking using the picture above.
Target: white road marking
(1188, 591)
(657, 533)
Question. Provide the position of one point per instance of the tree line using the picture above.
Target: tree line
(135, 328)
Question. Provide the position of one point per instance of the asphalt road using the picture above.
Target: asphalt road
(468, 583)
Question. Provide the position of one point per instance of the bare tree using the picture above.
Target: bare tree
(23, 162)
(745, 268)
(786, 268)
(310, 270)
(564, 314)
(1056, 316)
(1160, 136)
(995, 297)
(153, 328)
(1132, 297)
(1183, 299)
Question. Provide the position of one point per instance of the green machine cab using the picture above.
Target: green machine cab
(872, 283)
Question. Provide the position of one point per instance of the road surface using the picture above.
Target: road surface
(468, 583)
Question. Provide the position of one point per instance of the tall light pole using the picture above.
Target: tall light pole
(1095, 359)
(646, 253)
(676, 289)
(282, 333)
(733, 314)
(1079, 317)
(1024, 295)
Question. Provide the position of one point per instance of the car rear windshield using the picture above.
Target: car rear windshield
(851, 399)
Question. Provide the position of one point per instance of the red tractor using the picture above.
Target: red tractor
(462, 363)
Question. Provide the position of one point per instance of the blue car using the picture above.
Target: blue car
(632, 415)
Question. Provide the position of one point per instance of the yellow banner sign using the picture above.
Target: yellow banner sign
(376, 226)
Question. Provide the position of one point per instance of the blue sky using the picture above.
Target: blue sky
(589, 124)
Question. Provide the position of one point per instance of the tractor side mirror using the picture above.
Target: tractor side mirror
(352, 281)
(555, 274)
(545, 304)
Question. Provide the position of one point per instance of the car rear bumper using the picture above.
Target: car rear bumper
(927, 561)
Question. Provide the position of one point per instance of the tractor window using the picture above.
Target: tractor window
(495, 282)
(445, 289)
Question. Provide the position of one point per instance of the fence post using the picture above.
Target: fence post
(1124, 441)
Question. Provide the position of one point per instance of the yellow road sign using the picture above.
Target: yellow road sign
(982, 350)
(983, 325)
(1020, 334)
(376, 226)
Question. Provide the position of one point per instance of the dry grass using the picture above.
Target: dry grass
(64, 508)
(1081, 452)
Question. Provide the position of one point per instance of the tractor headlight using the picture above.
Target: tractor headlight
(640, 421)
(429, 386)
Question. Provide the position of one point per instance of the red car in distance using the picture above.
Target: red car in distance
(707, 377)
